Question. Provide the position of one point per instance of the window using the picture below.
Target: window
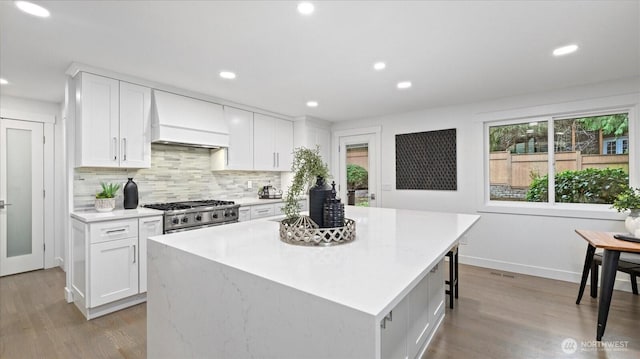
(588, 157)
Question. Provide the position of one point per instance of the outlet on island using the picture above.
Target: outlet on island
(249, 185)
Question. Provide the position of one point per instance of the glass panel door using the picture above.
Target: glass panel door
(18, 195)
(21, 196)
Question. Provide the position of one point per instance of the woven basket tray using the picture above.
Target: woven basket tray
(305, 232)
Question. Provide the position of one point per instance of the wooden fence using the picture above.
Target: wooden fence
(516, 170)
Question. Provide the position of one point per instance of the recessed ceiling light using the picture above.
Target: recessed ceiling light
(227, 75)
(305, 8)
(379, 66)
(404, 85)
(312, 103)
(32, 9)
(565, 50)
(4, 82)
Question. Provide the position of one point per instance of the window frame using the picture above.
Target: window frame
(551, 113)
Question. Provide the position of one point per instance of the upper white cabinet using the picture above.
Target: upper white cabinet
(312, 133)
(272, 143)
(239, 154)
(112, 123)
(135, 130)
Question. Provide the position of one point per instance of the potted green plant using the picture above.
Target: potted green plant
(629, 199)
(106, 200)
(307, 167)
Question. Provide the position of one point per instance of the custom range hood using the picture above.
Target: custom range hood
(185, 121)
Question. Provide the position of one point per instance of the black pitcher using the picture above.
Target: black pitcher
(130, 194)
(317, 196)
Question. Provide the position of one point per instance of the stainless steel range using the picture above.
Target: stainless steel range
(183, 216)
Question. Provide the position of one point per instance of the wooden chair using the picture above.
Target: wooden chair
(453, 275)
(628, 263)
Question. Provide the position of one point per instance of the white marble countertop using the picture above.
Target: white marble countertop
(92, 215)
(393, 250)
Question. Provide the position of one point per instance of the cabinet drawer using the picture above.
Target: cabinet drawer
(244, 214)
(263, 210)
(112, 230)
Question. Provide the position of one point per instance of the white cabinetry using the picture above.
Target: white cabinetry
(147, 227)
(109, 263)
(114, 270)
(112, 123)
(273, 143)
(393, 332)
(311, 133)
(239, 154)
(412, 323)
(113, 263)
(244, 214)
(256, 211)
(262, 210)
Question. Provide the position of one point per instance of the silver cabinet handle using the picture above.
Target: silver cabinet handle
(262, 210)
(2, 204)
(116, 230)
(226, 154)
(389, 317)
(274, 159)
(134, 253)
(278, 159)
(124, 149)
(115, 149)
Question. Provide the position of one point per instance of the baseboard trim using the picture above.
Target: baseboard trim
(68, 295)
(60, 263)
(622, 283)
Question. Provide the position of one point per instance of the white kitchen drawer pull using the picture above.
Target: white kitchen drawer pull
(116, 230)
(262, 210)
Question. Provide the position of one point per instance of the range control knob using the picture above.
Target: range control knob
(185, 219)
(227, 214)
(198, 217)
(233, 213)
(215, 215)
(175, 220)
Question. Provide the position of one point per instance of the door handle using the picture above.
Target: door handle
(274, 159)
(134, 253)
(2, 204)
(124, 149)
(115, 149)
(278, 159)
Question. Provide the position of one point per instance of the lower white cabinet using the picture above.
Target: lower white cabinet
(262, 210)
(114, 270)
(393, 332)
(247, 213)
(412, 323)
(109, 263)
(148, 226)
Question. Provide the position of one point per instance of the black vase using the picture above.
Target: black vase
(317, 196)
(130, 195)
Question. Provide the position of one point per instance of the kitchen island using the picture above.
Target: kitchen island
(237, 291)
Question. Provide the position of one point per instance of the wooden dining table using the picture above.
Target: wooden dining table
(612, 248)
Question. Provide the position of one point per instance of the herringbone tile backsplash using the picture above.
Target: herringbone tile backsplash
(177, 173)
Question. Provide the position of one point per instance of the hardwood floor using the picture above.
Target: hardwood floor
(498, 315)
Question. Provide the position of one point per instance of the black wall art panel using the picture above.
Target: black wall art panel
(427, 160)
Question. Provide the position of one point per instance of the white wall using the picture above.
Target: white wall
(538, 245)
(50, 113)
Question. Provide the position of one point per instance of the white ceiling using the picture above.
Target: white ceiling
(453, 52)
